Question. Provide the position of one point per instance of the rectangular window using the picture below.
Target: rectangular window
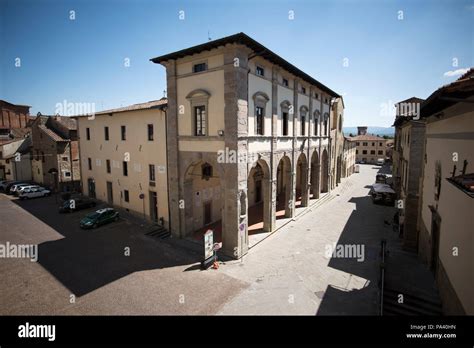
(106, 133)
(380, 152)
(125, 168)
(364, 144)
(303, 125)
(357, 152)
(285, 123)
(65, 159)
(107, 164)
(43, 159)
(373, 144)
(151, 171)
(285, 82)
(126, 196)
(199, 67)
(260, 71)
(259, 116)
(67, 174)
(380, 144)
(303, 90)
(150, 132)
(200, 120)
(316, 95)
(316, 121)
(88, 133)
(123, 132)
(364, 152)
(89, 163)
(357, 143)
(372, 152)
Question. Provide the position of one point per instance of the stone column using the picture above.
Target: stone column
(174, 188)
(292, 189)
(235, 220)
(274, 147)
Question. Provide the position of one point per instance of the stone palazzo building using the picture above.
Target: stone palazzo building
(248, 139)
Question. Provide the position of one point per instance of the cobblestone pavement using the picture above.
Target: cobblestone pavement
(290, 273)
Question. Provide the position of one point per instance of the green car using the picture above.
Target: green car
(99, 217)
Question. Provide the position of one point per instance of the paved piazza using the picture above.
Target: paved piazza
(86, 272)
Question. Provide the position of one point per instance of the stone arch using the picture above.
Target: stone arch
(301, 188)
(325, 171)
(202, 197)
(259, 197)
(315, 175)
(284, 186)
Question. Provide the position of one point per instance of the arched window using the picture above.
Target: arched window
(326, 120)
(199, 100)
(206, 171)
(260, 100)
(317, 116)
(303, 113)
(285, 112)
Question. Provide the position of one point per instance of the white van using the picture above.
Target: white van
(380, 161)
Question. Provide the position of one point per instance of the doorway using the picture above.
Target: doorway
(110, 193)
(91, 187)
(153, 206)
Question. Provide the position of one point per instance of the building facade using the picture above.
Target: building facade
(124, 158)
(407, 164)
(13, 116)
(248, 139)
(55, 152)
(337, 141)
(15, 159)
(446, 239)
(349, 158)
(369, 148)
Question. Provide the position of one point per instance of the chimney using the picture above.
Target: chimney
(361, 130)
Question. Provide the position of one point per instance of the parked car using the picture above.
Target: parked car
(99, 217)
(16, 187)
(3, 184)
(22, 188)
(79, 203)
(382, 193)
(380, 161)
(34, 192)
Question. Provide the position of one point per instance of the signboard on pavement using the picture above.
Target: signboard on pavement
(208, 244)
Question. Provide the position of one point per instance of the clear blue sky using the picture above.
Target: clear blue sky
(83, 60)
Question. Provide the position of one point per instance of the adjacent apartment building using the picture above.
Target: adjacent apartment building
(124, 158)
(248, 139)
(408, 159)
(55, 152)
(369, 148)
(349, 157)
(446, 238)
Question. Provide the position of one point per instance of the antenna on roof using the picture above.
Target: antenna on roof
(164, 93)
(208, 36)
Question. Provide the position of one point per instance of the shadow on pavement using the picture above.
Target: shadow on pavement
(365, 229)
(85, 260)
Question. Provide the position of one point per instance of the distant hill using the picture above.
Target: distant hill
(390, 131)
